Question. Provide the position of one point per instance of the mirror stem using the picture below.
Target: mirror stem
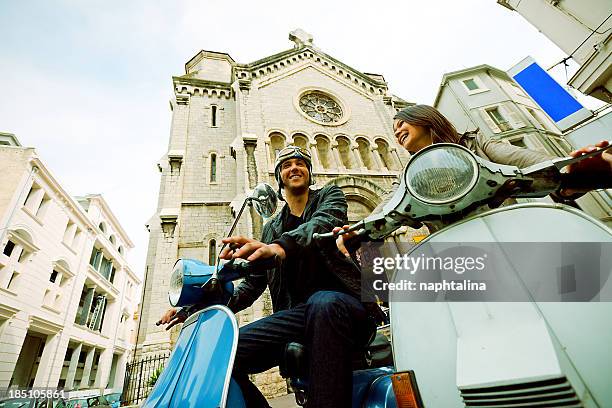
(248, 201)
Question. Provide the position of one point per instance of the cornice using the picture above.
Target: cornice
(135, 278)
(185, 85)
(462, 72)
(109, 215)
(63, 196)
(186, 79)
(209, 54)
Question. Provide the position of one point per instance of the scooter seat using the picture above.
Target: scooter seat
(295, 361)
(376, 354)
(369, 363)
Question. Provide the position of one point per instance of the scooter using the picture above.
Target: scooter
(493, 354)
(198, 372)
(540, 341)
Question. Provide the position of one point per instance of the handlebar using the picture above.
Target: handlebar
(361, 232)
(239, 269)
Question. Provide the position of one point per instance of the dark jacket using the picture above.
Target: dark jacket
(326, 208)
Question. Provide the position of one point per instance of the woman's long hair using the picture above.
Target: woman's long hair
(440, 128)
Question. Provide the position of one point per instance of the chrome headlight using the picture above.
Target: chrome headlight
(441, 173)
(176, 283)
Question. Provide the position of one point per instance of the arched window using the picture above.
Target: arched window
(112, 239)
(102, 227)
(385, 155)
(300, 141)
(212, 252)
(324, 151)
(213, 168)
(364, 152)
(277, 142)
(121, 250)
(213, 116)
(344, 148)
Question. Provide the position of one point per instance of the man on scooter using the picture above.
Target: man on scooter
(315, 292)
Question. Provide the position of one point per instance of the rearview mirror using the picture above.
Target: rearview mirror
(264, 200)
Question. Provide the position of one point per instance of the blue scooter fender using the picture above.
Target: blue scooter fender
(198, 372)
(372, 388)
(380, 394)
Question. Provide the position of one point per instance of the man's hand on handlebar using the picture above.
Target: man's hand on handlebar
(601, 163)
(172, 317)
(250, 249)
(342, 239)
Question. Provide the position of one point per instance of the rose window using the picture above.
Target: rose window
(321, 107)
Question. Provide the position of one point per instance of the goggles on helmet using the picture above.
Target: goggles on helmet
(291, 152)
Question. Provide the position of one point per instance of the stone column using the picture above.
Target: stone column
(12, 335)
(379, 163)
(358, 160)
(72, 368)
(336, 156)
(58, 360)
(250, 144)
(268, 150)
(316, 161)
(111, 324)
(87, 369)
(46, 366)
(104, 367)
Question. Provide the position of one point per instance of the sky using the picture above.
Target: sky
(88, 83)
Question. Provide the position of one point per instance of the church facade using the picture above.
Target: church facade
(229, 121)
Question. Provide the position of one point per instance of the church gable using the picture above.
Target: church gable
(311, 97)
(270, 69)
(316, 72)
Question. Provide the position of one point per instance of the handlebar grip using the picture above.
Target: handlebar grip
(318, 237)
(580, 182)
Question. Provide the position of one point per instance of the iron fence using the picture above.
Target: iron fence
(140, 376)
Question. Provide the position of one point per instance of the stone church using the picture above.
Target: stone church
(229, 121)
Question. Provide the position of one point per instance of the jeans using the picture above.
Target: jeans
(331, 325)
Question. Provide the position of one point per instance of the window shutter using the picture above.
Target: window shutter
(513, 116)
(485, 116)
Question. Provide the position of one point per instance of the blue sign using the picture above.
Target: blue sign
(558, 104)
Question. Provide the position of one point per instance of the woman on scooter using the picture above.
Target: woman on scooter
(419, 126)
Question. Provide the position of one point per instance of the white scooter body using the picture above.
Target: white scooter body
(513, 354)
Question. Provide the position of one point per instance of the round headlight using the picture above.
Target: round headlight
(441, 174)
(176, 283)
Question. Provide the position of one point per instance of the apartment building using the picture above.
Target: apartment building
(67, 293)
(486, 99)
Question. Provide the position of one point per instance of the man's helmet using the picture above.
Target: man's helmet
(292, 152)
